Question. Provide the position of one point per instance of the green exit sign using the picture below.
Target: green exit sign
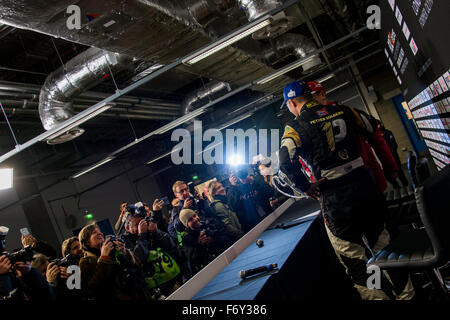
(194, 177)
(89, 216)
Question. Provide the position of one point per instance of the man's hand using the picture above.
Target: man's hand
(188, 203)
(52, 272)
(107, 248)
(313, 191)
(142, 227)
(152, 227)
(63, 273)
(29, 240)
(5, 265)
(233, 180)
(158, 205)
(273, 203)
(123, 209)
(203, 239)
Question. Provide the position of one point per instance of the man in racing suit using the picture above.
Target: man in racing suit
(353, 208)
(390, 168)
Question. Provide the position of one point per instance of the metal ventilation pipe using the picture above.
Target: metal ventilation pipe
(292, 44)
(211, 90)
(256, 8)
(338, 11)
(341, 9)
(192, 13)
(78, 75)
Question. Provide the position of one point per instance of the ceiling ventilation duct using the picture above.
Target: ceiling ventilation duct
(285, 44)
(138, 28)
(256, 8)
(293, 44)
(210, 91)
(342, 10)
(78, 75)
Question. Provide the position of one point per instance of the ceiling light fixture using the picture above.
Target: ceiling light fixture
(286, 69)
(325, 78)
(77, 120)
(6, 178)
(338, 87)
(96, 165)
(179, 121)
(228, 40)
(230, 123)
(163, 156)
(210, 147)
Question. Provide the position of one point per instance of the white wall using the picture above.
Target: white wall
(13, 218)
(103, 202)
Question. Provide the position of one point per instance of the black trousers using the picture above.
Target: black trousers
(355, 213)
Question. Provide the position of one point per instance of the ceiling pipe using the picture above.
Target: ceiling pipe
(7, 87)
(133, 110)
(122, 113)
(339, 13)
(195, 14)
(205, 94)
(342, 10)
(82, 72)
(27, 99)
(90, 67)
(256, 8)
(285, 43)
(292, 44)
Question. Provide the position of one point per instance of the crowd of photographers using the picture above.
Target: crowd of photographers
(151, 254)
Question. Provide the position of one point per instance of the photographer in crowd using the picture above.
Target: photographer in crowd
(218, 201)
(39, 246)
(250, 200)
(108, 270)
(18, 280)
(57, 275)
(72, 246)
(132, 220)
(200, 245)
(40, 263)
(156, 213)
(185, 201)
(162, 263)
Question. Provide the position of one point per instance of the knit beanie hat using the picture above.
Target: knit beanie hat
(185, 215)
(3, 231)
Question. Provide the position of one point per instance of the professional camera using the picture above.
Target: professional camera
(3, 233)
(209, 230)
(112, 238)
(137, 209)
(151, 218)
(23, 255)
(65, 262)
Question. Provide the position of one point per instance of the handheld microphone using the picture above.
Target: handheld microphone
(247, 273)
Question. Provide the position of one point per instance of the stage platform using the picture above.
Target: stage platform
(307, 266)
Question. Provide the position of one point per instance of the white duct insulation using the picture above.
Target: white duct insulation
(208, 92)
(79, 74)
(293, 44)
